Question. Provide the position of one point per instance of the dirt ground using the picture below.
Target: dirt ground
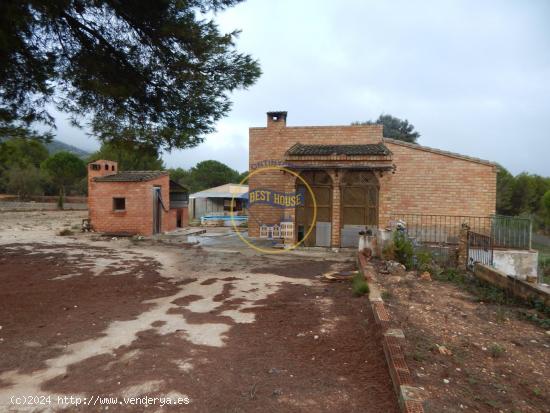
(202, 319)
(469, 356)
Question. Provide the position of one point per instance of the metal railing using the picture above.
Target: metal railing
(511, 232)
(440, 229)
(480, 249)
(505, 232)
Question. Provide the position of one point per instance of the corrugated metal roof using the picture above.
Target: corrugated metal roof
(131, 176)
(376, 149)
(210, 194)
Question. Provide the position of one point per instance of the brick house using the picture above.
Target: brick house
(360, 179)
(134, 202)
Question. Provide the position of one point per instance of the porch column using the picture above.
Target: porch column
(336, 208)
(290, 213)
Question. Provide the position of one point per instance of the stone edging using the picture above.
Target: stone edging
(410, 400)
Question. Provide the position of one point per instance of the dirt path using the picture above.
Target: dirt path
(232, 332)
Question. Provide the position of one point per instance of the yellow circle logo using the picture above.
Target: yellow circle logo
(314, 218)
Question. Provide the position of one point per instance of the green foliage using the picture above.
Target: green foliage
(359, 285)
(64, 170)
(424, 262)
(205, 174)
(403, 249)
(496, 350)
(130, 156)
(546, 209)
(394, 128)
(523, 195)
(180, 175)
(24, 181)
(19, 154)
(157, 72)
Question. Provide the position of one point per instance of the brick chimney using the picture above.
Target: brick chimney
(276, 119)
(101, 167)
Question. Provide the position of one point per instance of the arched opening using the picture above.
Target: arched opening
(360, 191)
(321, 185)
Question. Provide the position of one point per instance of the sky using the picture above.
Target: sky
(472, 77)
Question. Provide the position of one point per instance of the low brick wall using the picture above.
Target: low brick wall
(410, 397)
(519, 288)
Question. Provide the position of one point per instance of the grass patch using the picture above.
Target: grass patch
(65, 232)
(359, 285)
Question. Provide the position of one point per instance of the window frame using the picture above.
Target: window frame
(118, 199)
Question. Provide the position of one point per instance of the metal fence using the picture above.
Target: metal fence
(440, 229)
(511, 232)
(480, 249)
(505, 232)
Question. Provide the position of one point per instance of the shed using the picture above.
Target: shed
(217, 201)
(134, 202)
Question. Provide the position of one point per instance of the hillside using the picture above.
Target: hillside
(58, 146)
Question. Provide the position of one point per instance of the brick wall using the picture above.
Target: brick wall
(426, 181)
(137, 218)
(429, 182)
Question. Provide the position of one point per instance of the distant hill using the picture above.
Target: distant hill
(58, 146)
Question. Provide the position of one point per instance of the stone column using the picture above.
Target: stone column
(462, 253)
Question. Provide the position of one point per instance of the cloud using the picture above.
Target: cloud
(471, 76)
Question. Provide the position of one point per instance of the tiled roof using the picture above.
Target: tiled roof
(440, 152)
(131, 176)
(328, 150)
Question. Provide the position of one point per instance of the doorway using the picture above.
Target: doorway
(321, 185)
(157, 216)
(360, 192)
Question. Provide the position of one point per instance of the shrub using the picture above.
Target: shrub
(358, 285)
(496, 350)
(424, 262)
(403, 247)
(65, 232)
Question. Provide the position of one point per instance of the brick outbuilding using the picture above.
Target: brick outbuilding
(360, 179)
(134, 202)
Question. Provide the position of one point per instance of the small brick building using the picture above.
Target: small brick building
(360, 179)
(134, 202)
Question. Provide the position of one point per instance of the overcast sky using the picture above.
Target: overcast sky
(473, 77)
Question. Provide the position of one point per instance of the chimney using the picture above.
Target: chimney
(277, 119)
(101, 168)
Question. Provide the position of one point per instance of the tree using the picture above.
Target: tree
(181, 176)
(505, 190)
(64, 169)
(207, 174)
(149, 72)
(130, 156)
(524, 194)
(546, 209)
(394, 128)
(19, 153)
(24, 181)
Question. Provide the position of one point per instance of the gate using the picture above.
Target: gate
(479, 249)
(321, 185)
(359, 205)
